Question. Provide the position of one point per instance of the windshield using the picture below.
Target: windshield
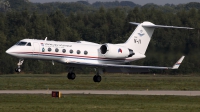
(21, 43)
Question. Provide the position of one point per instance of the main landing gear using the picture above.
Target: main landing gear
(18, 69)
(97, 77)
(71, 75)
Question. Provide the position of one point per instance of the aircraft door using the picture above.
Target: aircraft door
(36, 49)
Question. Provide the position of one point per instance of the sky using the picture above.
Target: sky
(140, 2)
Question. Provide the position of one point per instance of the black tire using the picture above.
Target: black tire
(73, 76)
(94, 78)
(16, 70)
(69, 75)
(97, 78)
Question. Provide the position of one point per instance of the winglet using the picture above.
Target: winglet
(178, 63)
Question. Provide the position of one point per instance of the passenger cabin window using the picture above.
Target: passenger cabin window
(78, 51)
(63, 50)
(49, 49)
(71, 51)
(56, 49)
(85, 52)
(29, 44)
(21, 43)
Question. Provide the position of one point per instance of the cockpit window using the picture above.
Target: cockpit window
(21, 43)
(29, 44)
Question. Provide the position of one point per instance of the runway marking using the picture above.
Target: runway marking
(105, 92)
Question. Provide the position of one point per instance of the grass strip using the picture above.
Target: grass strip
(109, 82)
(98, 103)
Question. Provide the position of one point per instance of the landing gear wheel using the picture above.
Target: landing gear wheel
(97, 78)
(68, 75)
(18, 70)
(71, 75)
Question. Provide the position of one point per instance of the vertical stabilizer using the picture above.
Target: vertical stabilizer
(140, 38)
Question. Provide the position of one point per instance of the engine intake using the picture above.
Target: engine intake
(103, 49)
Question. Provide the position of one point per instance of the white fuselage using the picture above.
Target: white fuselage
(65, 52)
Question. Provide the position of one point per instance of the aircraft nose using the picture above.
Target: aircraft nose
(11, 51)
(8, 51)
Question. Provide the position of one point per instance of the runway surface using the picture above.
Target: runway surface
(104, 92)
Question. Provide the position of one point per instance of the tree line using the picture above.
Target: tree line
(103, 25)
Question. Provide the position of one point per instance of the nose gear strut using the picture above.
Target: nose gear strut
(18, 69)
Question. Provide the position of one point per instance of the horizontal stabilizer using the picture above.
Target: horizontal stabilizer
(159, 26)
(134, 23)
(163, 26)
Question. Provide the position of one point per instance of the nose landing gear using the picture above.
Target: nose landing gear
(18, 69)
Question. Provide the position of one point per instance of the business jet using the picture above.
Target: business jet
(103, 57)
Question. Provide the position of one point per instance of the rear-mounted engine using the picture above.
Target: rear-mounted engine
(115, 51)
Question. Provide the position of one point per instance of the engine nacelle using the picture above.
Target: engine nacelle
(115, 51)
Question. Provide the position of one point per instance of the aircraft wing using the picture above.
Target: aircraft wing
(113, 68)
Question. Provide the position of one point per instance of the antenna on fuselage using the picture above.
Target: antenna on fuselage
(45, 39)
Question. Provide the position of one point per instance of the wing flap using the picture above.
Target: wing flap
(126, 70)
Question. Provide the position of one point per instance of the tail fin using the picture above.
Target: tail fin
(140, 38)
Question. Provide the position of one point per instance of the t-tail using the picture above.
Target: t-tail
(140, 38)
